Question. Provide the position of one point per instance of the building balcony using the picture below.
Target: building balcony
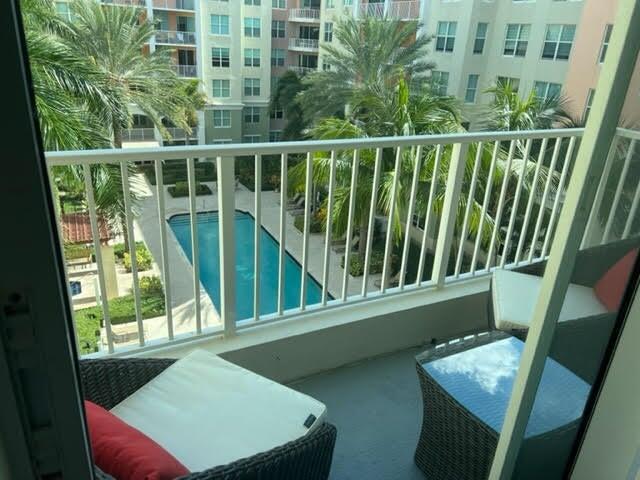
(138, 134)
(304, 15)
(400, 10)
(301, 70)
(187, 71)
(131, 3)
(181, 134)
(303, 44)
(185, 5)
(172, 37)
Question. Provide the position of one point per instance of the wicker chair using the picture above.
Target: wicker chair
(108, 382)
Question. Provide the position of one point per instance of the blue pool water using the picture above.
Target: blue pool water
(244, 234)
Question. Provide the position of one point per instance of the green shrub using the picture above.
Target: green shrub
(119, 249)
(74, 252)
(174, 171)
(151, 286)
(356, 267)
(181, 189)
(314, 227)
(245, 172)
(143, 257)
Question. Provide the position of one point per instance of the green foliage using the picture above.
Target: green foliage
(151, 286)
(121, 310)
(356, 267)
(119, 249)
(285, 96)
(181, 189)
(143, 257)
(315, 226)
(75, 252)
(245, 172)
(174, 171)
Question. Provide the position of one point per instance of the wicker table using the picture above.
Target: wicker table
(466, 385)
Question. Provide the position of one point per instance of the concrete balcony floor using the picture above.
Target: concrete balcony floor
(377, 408)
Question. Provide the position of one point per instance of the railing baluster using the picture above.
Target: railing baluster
(455, 178)
(257, 231)
(195, 250)
(308, 184)
(97, 246)
(543, 202)
(327, 245)
(516, 203)
(386, 263)
(485, 206)
(427, 218)
(226, 236)
(352, 209)
(632, 213)
(501, 202)
(128, 214)
(618, 194)
(412, 206)
(372, 220)
(164, 251)
(556, 201)
(602, 185)
(532, 196)
(468, 210)
(283, 231)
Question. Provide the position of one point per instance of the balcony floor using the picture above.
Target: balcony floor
(377, 409)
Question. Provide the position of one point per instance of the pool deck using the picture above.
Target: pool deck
(147, 228)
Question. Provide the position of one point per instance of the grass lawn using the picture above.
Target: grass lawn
(121, 310)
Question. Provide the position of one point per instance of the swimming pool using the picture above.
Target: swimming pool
(269, 254)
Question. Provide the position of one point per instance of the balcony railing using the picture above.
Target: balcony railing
(138, 134)
(174, 4)
(401, 10)
(188, 71)
(132, 3)
(441, 209)
(173, 37)
(304, 44)
(180, 133)
(305, 15)
(301, 70)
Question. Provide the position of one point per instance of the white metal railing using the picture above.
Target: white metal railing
(492, 201)
(174, 4)
(301, 70)
(304, 15)
(174, 37)
(401, 10)
(307, 44)
(180, 133)
(188, 71)
(133, 3)
(138, 134)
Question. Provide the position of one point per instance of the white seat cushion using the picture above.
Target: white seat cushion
(207, 412)
(515, 295)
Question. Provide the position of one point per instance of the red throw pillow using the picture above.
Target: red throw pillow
(126, 453)
(611, 286)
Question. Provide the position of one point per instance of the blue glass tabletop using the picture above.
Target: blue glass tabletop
(481, 379)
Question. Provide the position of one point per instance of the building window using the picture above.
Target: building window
(251, 57)
(220, 57)
(587, 107)
(252, 2)
(252, 87)
(252, 115)
(439, 82)
(446, 36)
(472, 88)
(277, 29)
(221, 88)
(251, 138)
(331, 3)
(558, 41)
(516, 39)
(512, 81)
(605, 42)
(547, 90)
(326, 66)
(282, 4)
(275, 135)
(220, 24)
(222, 118)
(481, 38)
(277, 57)
(277, 113)
(252, 27)
(328, 31)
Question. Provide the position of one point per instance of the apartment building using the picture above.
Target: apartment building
(477, 42)
(590, 50)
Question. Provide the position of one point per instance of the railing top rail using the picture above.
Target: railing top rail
(628, 133)
(231, 150)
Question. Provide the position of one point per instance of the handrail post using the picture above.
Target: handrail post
(226, 216)
(452, 193)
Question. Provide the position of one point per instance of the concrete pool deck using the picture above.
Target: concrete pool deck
(146, 226)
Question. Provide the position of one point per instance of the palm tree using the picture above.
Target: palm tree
(288, 88)
(368, 53)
